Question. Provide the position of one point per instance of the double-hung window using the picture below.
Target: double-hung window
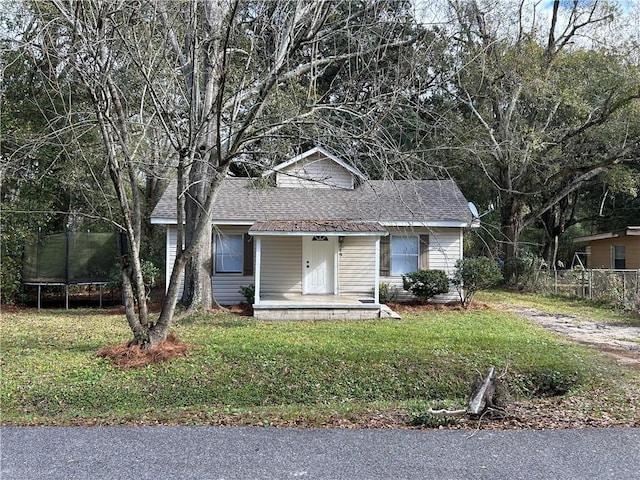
(619, 257)
(401, 254)
(229, 253)
(405, 254)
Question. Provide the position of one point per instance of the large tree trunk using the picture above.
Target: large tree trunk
(197, 292)
(201, 234)
(198, 276)
(510, 225)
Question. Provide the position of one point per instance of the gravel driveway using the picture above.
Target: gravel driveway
(619, 341)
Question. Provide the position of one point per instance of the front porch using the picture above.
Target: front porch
(292, 306)
(314, 270)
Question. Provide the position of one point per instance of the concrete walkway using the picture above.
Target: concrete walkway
(158, 453)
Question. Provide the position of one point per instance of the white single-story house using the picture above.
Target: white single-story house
(320, 238)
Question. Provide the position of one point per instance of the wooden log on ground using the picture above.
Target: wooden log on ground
(481, 398)
(482, 394)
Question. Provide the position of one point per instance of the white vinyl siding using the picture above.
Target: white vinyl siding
(281, 269)
(225, 287)
(315, 173)
(172, 240)
(356, 269)
(282, 263)
(445, 248)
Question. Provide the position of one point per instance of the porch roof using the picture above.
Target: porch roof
(317, 227)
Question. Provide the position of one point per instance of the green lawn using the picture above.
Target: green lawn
(308, 370)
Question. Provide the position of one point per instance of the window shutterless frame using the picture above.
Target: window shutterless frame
(619, 257)
(229, 253)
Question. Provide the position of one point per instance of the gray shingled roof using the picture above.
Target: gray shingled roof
(317, 226)
(424, 201)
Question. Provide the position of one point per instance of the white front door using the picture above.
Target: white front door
(318, 254)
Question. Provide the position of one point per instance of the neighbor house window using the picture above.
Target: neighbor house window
(405, 254)
(619, 257)
(229, 253)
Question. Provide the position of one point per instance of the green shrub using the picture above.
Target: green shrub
(387, 292)
(514, 269)
(523, 271)
(249, 292)
(473, 275)
(9, 280)
(426, 284)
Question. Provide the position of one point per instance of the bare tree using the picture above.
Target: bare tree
(217, 78)
(539, 114)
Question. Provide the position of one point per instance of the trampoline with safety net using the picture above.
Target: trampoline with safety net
(72, 259)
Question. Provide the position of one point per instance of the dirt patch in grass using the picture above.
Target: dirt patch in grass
(125, 355)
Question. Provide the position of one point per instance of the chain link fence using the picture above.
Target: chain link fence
(617, 287)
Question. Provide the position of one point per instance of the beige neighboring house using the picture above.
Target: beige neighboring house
(617, 250)
(319, 238)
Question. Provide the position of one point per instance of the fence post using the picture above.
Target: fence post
(591, 284)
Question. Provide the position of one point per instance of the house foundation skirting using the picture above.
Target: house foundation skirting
(317, 312)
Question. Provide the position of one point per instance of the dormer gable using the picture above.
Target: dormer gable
(316, 168)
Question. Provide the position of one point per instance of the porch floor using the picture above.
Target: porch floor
(315, 307)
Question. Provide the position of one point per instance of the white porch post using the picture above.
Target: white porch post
(336, 265)
(258, 259)
(376, 286)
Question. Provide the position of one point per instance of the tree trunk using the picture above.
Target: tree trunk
(510, 226)
(140, 332)
(198, 273)
(198, 276)
(158, 332)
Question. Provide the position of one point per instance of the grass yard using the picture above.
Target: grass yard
(239, 371)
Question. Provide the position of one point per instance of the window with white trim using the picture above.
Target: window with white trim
(229, 253)
(405, 254)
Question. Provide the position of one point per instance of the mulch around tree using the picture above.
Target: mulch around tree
(126, 355)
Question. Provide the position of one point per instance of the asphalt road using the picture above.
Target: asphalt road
(158, 453)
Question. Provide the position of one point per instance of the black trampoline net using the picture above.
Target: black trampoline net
(74, 257)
